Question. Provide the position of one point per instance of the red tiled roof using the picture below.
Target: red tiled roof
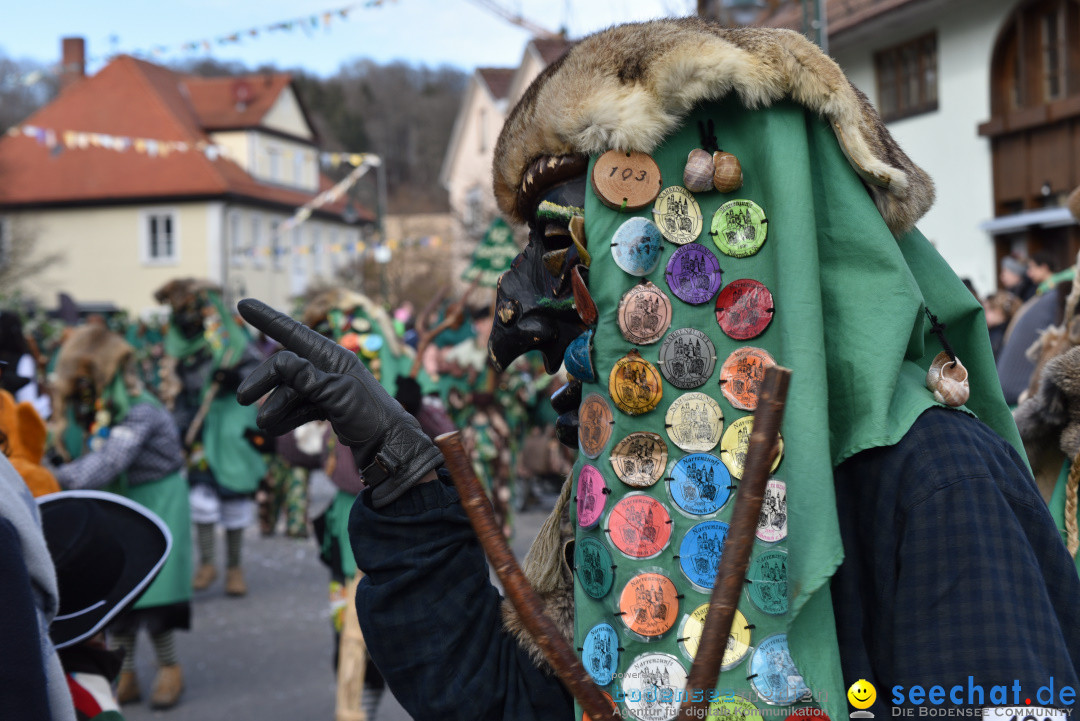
(551, 49)
(130, 97)
(841, 14)
(498, 80)
(234, 102)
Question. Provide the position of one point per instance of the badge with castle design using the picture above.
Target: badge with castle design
(739, 228)
(736, 444)
(700, 552)
(639, 526)
(594, 568)
(742, 374)
(649, 604)
(634, 384)
(600, 653)
(644, 314)
(744, 309)
(594, 425)
(767, 584)
(678, 215)
(693, 274)
(695, 422)
(687, 358)
(700, 484)
(652, 686)
(591, 496)
(640, 459)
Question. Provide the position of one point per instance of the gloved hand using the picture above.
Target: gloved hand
(227, 378)
(313, 378)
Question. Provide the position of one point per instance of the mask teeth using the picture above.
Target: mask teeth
(555, 261)
(577, 234)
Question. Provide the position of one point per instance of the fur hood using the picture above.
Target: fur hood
(91, 350)
(630, 86)
(176, 293)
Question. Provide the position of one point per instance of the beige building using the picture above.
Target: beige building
(138, 175)
(466, 171)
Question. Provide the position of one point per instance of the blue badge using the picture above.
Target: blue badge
(773, 673)
(700, 552)
(700, 484)
(600, 653)
(636, 246)
(578, 358)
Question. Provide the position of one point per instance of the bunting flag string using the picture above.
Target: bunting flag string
(332, 195)
(305, 23)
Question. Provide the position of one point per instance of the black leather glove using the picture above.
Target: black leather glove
(313, 378)
(227, 378)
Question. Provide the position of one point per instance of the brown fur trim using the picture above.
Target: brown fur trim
(631, 86)
(178, 291)
(550, 576)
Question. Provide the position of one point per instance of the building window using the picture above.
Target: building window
(160, 242)
(277, 249)
(1053, 53)
(1036, 59)
(907, 78)
(298, 167)
(275, 163)
(256, 248)
(316, 251)
(297, 245)
(236, 241)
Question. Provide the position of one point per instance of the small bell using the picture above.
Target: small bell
(698, 173)
(727, 172)
(948, 379)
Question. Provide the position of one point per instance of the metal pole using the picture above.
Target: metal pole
(815, 23)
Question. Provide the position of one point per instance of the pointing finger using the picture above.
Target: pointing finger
(296, 337)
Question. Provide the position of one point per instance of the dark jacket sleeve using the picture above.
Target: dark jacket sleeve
(23, 693)
(431, 618)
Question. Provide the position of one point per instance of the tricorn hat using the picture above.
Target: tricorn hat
(106, 549)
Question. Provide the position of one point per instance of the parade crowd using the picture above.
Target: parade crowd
(146, 410)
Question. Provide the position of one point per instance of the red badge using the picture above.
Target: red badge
(639, 526)
(744, 309)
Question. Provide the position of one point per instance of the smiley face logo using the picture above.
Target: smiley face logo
(862, 694)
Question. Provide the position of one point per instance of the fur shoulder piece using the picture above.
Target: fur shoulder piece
(630, 86)
(179, 291)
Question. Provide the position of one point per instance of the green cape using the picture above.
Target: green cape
(849, 322)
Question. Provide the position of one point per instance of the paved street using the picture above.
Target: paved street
(267, 657)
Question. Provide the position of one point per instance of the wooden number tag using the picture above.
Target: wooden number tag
(626, 180)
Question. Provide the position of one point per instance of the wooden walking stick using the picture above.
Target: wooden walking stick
(556, 649)
(352, 661)
(740, 540)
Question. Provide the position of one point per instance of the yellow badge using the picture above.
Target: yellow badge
(694, 422)
(634, 384)
(735, 444)
(738, 643)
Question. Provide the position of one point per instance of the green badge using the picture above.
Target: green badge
(739, 228)
(594, 564)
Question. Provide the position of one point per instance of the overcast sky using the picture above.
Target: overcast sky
(455, 32)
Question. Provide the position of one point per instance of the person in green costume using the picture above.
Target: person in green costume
(911, 549)
(117, 437)
(212, 352)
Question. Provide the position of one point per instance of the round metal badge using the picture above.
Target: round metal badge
(694, 422)
(693, 274)
(578, 358)
(648, 604)
(744, 309)
(640, 459)
(738, 643)
(739, 228)
(772, 523)
(594, 424)
(594, 567)
(736, 443)
(639, 526)
(678, 215)
(626, 180)
(766, 583)
(600, 653)
(700, 484)
(700, 552)
(634, 384)
(687, 358)
(732, 707)
(652, 687)
(741, 376)
(644, 314)
(591, 496)
(637, 246)
(773, 673)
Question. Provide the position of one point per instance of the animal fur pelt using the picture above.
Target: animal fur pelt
(547, 567)
(177, 292)
(630, 86)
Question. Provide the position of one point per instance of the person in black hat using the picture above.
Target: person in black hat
(32, 686)
(106, 549)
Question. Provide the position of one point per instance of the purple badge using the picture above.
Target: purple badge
(693, 274)
(591, 495)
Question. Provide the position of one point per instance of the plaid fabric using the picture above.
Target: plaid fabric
(432, 620)
(953, 569)
(146, 445)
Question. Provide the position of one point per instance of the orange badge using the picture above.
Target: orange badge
(742, 374)
(648, 604)
(639, 525)
(594, 426)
